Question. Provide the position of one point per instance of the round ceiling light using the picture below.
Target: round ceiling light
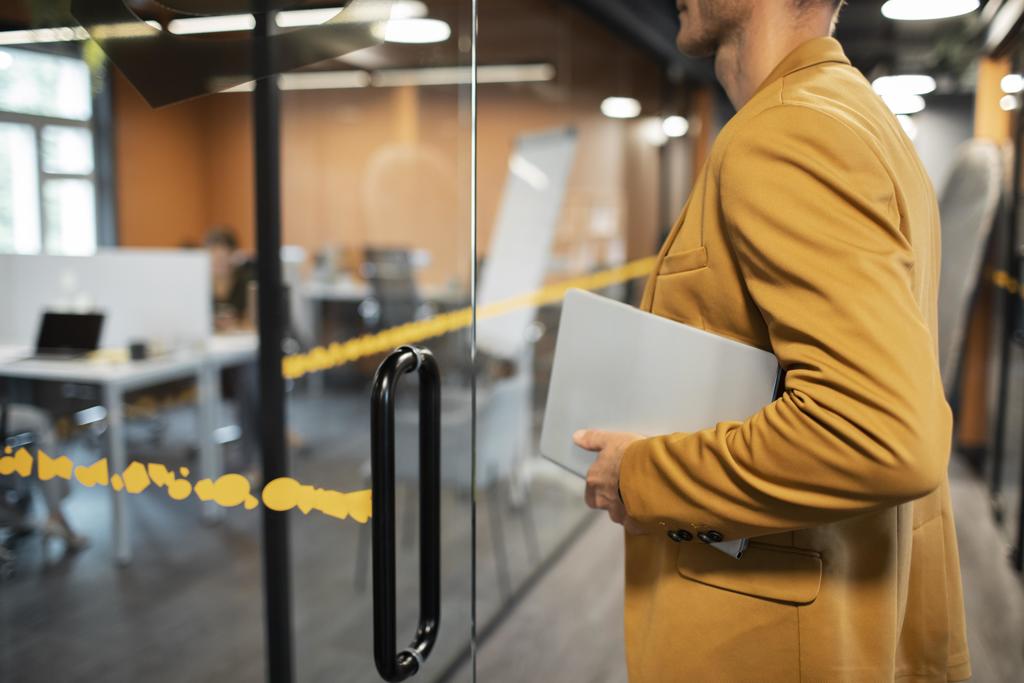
(675, 126)
(904, 104)
(620, 108)
(1012, 84)
(413, 31)
(919, 10)
(906, 84)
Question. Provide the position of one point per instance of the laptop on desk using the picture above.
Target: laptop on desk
(66, 336)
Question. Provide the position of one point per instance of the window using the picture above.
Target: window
(47, 169)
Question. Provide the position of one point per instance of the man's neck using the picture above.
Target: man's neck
(745, 60)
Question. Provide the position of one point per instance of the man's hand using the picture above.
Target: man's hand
(603, 477)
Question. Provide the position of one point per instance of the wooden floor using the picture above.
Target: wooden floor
(587, 584)
(189, 608)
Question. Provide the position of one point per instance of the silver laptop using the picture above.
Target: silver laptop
(621, 369)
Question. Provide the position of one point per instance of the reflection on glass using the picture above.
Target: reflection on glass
(45, 85)
(67, 150)
(19, 220)
(70, 209)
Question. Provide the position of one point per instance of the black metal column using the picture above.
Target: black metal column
(1009, 311)
(276, 553)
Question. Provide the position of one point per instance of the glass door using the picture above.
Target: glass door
(271, 454)
(377, 255)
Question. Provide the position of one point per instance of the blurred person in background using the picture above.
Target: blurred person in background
(19, 419)
(233, 274)
(232, 271)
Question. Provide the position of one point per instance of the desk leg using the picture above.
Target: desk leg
(315, 382)
(114, 400)
(211, 455)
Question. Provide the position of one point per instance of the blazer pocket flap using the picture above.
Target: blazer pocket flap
(765, 571)
(680, 262)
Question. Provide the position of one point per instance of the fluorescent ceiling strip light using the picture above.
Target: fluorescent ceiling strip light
(920, 10)
(390, 78)
(912, 84)
(305, 17)
(70, 34)
(219, 24)
(412, 31)
(362, 12)
(59, 34)
(460, 75)
(904, 104)
(250, 86)
(324, 80)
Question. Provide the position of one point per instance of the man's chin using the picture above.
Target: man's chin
(695, 48)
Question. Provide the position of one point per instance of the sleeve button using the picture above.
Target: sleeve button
(680, 535)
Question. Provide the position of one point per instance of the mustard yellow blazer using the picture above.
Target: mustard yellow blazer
(812, 231)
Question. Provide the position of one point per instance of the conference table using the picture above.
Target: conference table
(116, 378)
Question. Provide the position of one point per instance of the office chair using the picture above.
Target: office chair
(15, 499)
(394, 298)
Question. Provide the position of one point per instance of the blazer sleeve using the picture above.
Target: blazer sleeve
(810, 212)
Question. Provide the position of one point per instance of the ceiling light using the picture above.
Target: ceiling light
(907, 84)
(652, 133)
(6, 59)
(374, 11)
(1012, 84)
(904, 103)
(60, 34)
(620, 108)
(248, 86)
(909, 127)
(218, 24)
(675, 126)
(917, 10)
(462, 75)
(1008, 102)
(413, 31)
(324, 80)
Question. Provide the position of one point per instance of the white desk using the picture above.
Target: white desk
(115, 379)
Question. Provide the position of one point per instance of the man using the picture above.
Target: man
(812, 231)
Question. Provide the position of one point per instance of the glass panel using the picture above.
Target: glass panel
(70, 209)
(45, 85)
(571, 170)
(19, 190)
(376, 160)
(67, 150)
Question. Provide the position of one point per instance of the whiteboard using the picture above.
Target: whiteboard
(517, 260)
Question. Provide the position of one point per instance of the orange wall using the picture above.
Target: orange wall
(161, 193)
(181, 169)
(390, 166)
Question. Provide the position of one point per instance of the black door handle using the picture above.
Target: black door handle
(391, 664)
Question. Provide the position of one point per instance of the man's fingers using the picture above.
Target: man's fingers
(590, 439)
(634, 528)
(617, 513)
(590, 495)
